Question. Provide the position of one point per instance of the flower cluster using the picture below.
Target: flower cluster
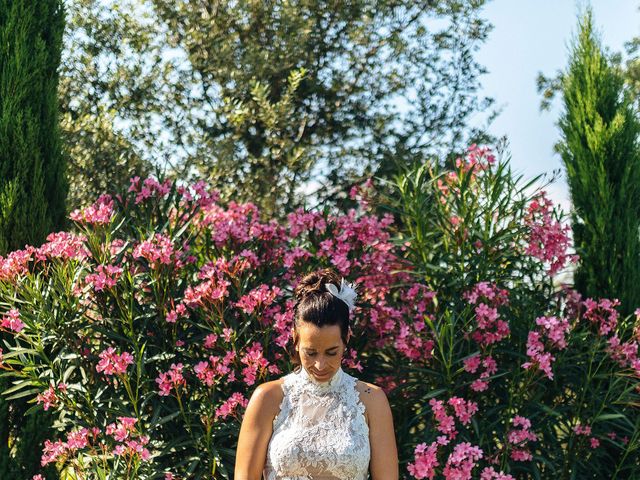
(548, 238)
(230, 405)
(49, 398)
(172, 379)
(463, 410)
(11, 321)
(554, 331)
(585, 430)
(99, 213)
(113, 364)
(518, 438)
(57, 451)
(130, 442)
(489, 367)
(487, 297)
(106, 276)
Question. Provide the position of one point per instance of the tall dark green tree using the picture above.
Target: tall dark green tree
(32, 175)
(599, 148)
(33, 187)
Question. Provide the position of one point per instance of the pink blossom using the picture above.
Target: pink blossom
(462, 461)
(49, 397)
(488, 473)
(210, 340)
(106, 277)
(64, 246)
(229, 406)
(426, 461)
(463, 409)
(602, 313)
(16, 264)
(548, 238)
(99, 213)
(157, 251)
(172, 379)
(113, 364)
(11, 321)
(122, 429)
(258, 297)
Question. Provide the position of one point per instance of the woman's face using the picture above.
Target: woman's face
(320, 349)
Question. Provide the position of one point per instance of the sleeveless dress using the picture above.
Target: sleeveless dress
(320, 432)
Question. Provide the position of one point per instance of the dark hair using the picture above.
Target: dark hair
(316, 305)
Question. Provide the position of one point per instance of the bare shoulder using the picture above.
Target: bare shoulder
(268, 396)
(372, 397)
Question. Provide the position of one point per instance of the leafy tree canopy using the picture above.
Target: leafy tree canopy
(260, 97)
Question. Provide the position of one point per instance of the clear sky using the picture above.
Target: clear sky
(531, 36)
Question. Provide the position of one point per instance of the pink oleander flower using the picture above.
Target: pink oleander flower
(99, 213)
(210, 340)
(113, 364)
(462, 461)
(106, 276)
(602, 313)
(425, 462)
(150, 188)
(53, 451)
(258, 297)
(179, 312)
(487, 297)
(11, 321)
(255, 363)
(463, 409)
(172, 379)
(555, 329)
(16, 264)
(122, 429)
(582, 429)
(157, 251)
(539, 358)
(548, 238)
(134, 447)
(445, 422)
(230, 405)
(63, 245)
(301, 221)
(488, 473)
(350, 360)
(49, 398)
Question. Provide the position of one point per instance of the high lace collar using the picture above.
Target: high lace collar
(330, 385)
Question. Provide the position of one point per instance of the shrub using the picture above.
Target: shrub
(144, 330)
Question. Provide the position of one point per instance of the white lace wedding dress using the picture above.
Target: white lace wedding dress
(320, 432)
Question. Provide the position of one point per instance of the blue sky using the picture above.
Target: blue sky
(531, 36)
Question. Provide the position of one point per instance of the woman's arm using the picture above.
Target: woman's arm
(256, 430)
(384, 453)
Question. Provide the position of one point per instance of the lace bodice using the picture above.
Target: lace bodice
(320, 432)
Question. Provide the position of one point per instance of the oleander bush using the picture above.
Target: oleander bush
(144, 331)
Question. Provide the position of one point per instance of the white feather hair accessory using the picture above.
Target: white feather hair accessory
(346, 293)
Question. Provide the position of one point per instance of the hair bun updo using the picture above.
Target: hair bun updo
(317, 305)
(314, 283)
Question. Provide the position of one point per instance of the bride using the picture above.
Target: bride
(318, 422)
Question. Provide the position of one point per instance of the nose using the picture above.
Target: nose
(320, 365)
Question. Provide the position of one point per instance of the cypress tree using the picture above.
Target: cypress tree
(32, 177)
(599, 149)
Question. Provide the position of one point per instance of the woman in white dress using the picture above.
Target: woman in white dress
(318, 422)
